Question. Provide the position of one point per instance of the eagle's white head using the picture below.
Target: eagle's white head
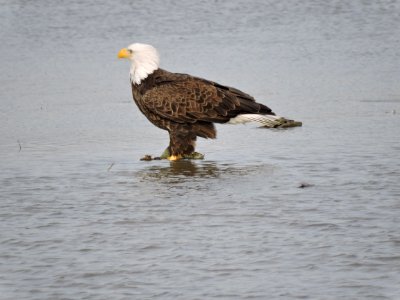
(144, 60)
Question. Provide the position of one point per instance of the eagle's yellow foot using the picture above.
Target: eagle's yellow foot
(174, 157)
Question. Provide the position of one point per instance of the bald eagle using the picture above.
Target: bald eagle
(187, 106)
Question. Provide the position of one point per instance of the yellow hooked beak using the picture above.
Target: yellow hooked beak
(124, 53)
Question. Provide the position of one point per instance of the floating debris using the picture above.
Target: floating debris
(147, 157)
(305, 185)
(109, 168)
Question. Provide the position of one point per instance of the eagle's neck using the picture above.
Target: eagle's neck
(142, 65)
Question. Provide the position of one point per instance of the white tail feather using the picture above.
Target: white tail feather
(265, 120)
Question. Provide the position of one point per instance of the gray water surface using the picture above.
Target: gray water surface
(305, 213)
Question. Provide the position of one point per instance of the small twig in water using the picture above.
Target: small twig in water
(20, 147)
(109, 168)
(304, 185)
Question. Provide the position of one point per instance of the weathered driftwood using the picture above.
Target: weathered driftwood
(288, 124)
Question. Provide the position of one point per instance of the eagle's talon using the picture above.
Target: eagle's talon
(174, 157)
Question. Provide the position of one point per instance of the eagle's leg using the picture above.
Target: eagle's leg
(182, 143)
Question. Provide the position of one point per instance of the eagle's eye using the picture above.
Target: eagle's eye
(130, 51)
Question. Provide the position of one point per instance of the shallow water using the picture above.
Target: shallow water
(309, 212)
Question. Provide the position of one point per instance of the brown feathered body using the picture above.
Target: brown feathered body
(187, 106)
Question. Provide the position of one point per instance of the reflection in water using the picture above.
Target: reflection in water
(185, 170)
